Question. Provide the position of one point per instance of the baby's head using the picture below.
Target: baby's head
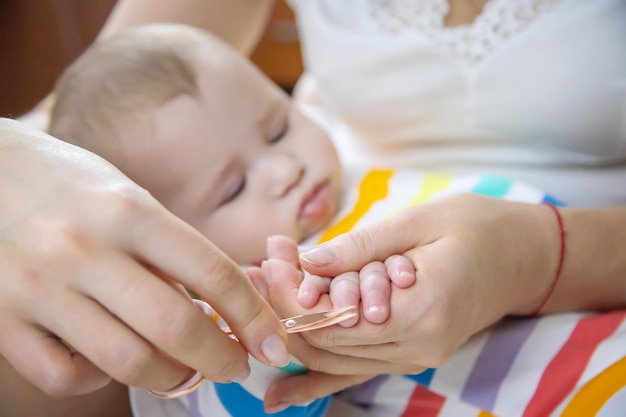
(210, 136)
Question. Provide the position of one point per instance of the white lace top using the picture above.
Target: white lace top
(499, 21)
(533, 89)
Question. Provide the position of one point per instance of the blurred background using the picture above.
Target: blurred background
(41, 37)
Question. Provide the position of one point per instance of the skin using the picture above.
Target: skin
(65, 326)
(504, 262)
(359, 252)
(228, 175)
(274, 164)
(270, 161)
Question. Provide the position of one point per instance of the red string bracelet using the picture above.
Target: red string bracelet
(557, 275)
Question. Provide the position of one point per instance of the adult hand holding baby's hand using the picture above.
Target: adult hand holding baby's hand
(476, 259)
(89, 271)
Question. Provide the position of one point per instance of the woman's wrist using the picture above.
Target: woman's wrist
(561, 258)
(537, 256)
(594, 268)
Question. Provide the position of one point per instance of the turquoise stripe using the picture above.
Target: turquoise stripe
(491, 186)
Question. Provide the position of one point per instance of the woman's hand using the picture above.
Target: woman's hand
(476, 259)
(89, 266)
(279, 282)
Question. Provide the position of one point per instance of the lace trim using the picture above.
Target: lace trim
(499, 21)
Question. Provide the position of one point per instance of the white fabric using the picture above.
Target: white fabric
(545, 104)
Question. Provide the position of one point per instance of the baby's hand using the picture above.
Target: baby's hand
(371, 286)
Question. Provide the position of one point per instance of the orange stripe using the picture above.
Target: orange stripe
(564, 371)
(373, 187)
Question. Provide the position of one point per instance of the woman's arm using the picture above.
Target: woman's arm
(241, 23)
(594, 264)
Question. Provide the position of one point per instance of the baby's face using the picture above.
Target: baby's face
(240, 162)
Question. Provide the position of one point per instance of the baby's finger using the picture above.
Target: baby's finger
(375, 292)
(255, 274)
(400, 270)
(344, 291)
(284, 248)
(312, 288)
(284, 283)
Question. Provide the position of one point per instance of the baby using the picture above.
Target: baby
(212, 139)
(226, 150)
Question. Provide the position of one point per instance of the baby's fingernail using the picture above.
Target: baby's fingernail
(407, 274)
(275, 350)
(271, 409)
(265, 268)
(375, 308)
(320, 255)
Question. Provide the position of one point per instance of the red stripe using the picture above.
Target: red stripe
(423, 403)
(566, 368)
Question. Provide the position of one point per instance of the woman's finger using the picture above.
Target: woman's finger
(203, 268)
(351, 251)
(164, 317)
(48, 363)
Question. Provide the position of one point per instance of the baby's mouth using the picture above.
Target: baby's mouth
(316, 203)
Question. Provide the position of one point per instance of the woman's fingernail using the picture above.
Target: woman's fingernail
(277, 408)
(320, 255)
(243, 375)
(275, 350)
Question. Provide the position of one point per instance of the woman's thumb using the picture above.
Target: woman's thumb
(374, 242)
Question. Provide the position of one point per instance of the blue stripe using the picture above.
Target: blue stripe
(491, 186)
(424, 378)
(549, 199)
(240, 403)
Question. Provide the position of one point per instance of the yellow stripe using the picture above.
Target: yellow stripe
(590, 399)
(373, 187)
(433, 183)
(485, 414)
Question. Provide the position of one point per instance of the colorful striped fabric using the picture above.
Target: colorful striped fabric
(569, 365)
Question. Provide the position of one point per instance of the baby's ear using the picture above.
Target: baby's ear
(255, 274)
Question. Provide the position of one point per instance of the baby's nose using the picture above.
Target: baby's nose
(282, 172)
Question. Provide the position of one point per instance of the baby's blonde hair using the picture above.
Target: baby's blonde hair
(117, 78)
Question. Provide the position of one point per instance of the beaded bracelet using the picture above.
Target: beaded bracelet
(557, 275)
